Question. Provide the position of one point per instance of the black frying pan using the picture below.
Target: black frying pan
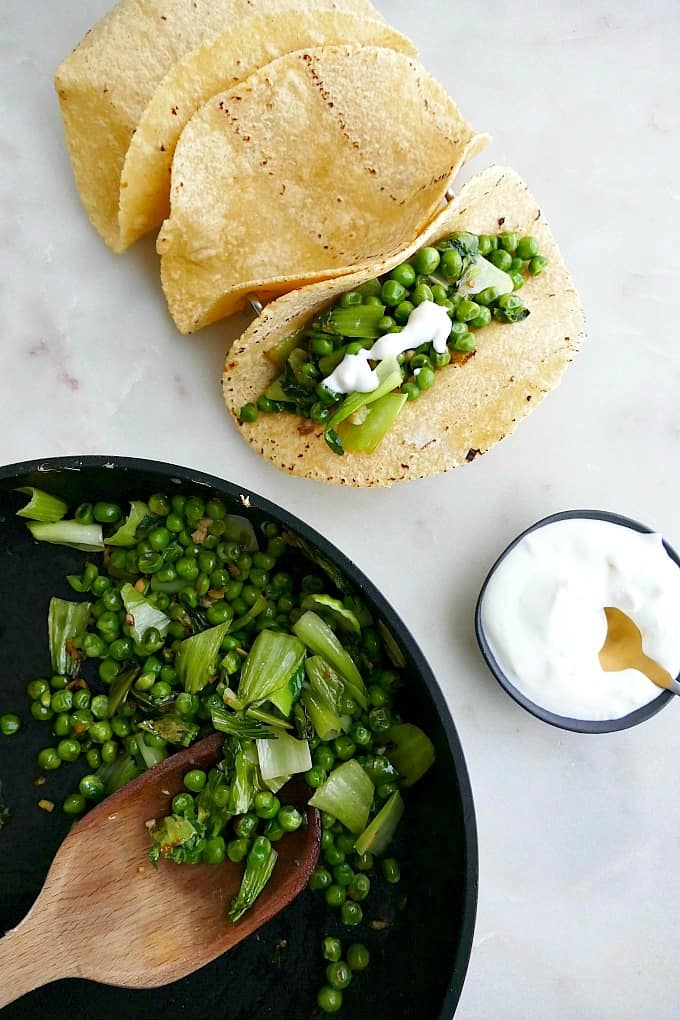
(418, 961)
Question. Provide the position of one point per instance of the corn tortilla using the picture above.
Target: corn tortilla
(218, 65)
(297, 174)
(106, 83)
(474, 402)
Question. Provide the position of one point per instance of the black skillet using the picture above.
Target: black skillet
(421, 950)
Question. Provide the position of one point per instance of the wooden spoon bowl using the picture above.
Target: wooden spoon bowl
(117, 919)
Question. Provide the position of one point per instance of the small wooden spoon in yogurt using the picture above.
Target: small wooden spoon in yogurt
(622, 649)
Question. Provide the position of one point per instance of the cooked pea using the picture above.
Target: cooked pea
(482, 319)
(465, 342)
(537, 265)
(404, 274)
(351, 913)
(393, 293)
(527, 248)
(9, 724)
(390, 869)
(508, 241)
(501, 259)
(402, 311)
(329, 1000)
(426, 261)
(451, 264)
(358, 956)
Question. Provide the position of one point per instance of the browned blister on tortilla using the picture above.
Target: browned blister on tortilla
(125, 76)
(475, 402)
(315, 166)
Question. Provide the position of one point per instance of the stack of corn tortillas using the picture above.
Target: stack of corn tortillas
(297, 149)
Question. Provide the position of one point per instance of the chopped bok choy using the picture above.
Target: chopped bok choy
(42, 506)
(66, 624)
(347, 794)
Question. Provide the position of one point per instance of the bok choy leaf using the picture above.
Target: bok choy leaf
(272, 663)
(66, 623)
(319, 637)
(347, 794)
(196, 661)
(283, 756)
(41, 506)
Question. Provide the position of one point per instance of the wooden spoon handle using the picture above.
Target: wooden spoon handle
(29, 958)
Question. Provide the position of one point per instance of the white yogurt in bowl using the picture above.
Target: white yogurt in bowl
(541, 622)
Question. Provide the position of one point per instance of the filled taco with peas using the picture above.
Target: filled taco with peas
(421, 362)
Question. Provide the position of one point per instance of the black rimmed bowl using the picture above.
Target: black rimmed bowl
(419, 959)
(564, 722)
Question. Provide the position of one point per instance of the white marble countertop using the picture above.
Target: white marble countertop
(578, 896)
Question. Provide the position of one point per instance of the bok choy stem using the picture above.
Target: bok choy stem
(66, 623)
(319, 637)
(42, 506)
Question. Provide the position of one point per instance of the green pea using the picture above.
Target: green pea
(48, 759)
(440, 295)
(338, 974)
(91, 787)
(214, 850)
(159, 504)
(37, 687)
(402, 311)
(238, 849)
(41, 713)
(74, 804)
(319, 879)
(465, 342)
(168, 674)
(363, 862)
(482, 319)
(426, 261)
(501, 259)
(289, 818)
(360, 735)
(517, 265)
(518, 280)
(351, 914)
(387, 323)
(333, 855)
(380, 720)
(81, 698)
(537, 265)
(359, 887)
(100, 731)
(266, 804)
(390, 869)
(195, 780)
(441, 360)
(62, 701)
(9, 724)
(335, 895)
(100, 585)
(160, 690)
(486, 244)
(61, 727)
(358, 956)
(108, 626)
(327, 822)
(451, 264)
(351, 298)
(508, 241)
(315, 777)
(467, 310)
(327, 837)
(421, 293)
(185, 705)
(68, 749)
(331, 949)
(343, 874)
(84, 513)
(425, 378)
(393, 293)
(108, 669)
(182, 804)
(329, 1000)
(100, 706)
(109, 751)
(527, 248)
(324, 757)
(411, 389)
(344, 746)
(107, 513)
(122, 649)
(486, 296)
(174, 523)
(58, 682)
(404, 274)
(81, 720)
(94, 758)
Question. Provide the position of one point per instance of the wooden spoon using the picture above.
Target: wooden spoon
(105, 913)
(622, 649)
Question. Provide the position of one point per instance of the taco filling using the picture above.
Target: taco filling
(381, 345)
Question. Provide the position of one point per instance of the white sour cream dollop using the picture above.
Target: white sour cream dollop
(429, 323)
(543, 615)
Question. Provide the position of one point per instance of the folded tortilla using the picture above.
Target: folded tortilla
(112, 76)
(475, 401)
(315, 166)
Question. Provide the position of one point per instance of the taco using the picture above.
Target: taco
(109, 82)
(297, 175)
(489, 263)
